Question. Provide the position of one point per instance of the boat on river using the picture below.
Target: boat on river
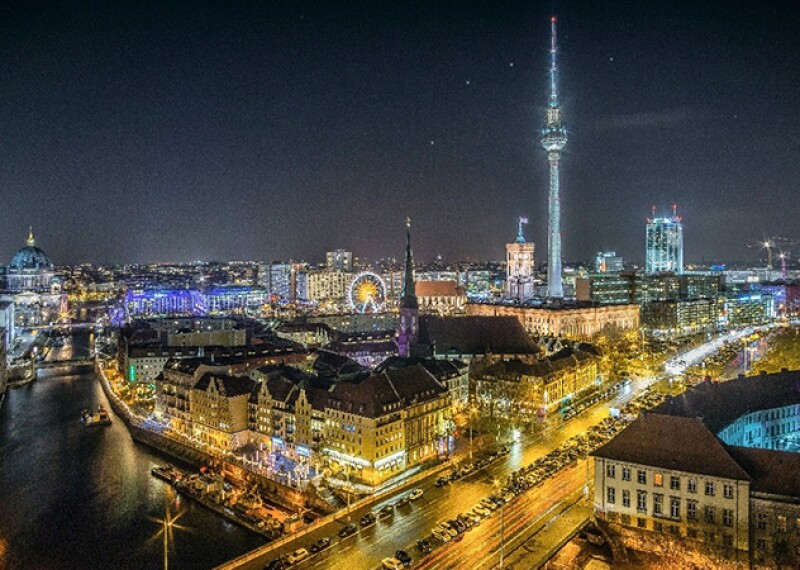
(98, 417)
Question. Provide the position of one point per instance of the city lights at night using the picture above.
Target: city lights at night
(323, 286)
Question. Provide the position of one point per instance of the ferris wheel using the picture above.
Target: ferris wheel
(367, 293)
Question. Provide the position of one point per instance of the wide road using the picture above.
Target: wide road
(369, 546)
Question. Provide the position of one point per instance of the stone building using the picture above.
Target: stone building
(441, 297)
(218, 404)
(716, 468)
(580, 321)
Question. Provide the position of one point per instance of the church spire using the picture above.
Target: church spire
(408, 299)
(31, 241)
(408, 322)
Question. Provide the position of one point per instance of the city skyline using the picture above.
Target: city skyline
(231, 134)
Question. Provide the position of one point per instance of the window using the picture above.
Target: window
(691, 485)
(641, 523)
(675, 483)
(710, 488)
(691, 510)
(611, 495)
(626, 473)
(711, 515)
(675, 529)
(727, 517)
(761, 521)
(641, 501)
(727, 491)
(641, 477)
(611, 471)
(626, 519)
(658, 504)
(691, 533)
(781, 523)
(711, 537)
(658, 479)
(675, 507)
(761, 544)
(626, 498)
(727, 539)
(658, 526)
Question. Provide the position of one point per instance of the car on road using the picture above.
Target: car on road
(320, 545)
(441, 534)
(297, 556)
(391, 564)
(403, 557)
(402, 502)
(346, 531)
(424, 546)
(368, 519)
(415, 494)
(442, 481)
(481, 511)
(277, 564)
(386, 512)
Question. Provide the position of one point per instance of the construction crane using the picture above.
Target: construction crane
(771, 244)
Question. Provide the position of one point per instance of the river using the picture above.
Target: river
(83, 498)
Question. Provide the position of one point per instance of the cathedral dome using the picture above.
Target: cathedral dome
(30, 257)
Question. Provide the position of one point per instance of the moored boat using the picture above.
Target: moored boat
(99, 417)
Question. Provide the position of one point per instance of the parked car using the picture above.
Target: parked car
(391, 564)
(424, 546)
(415, 494)
(403, 557)
(368, 519)
(386, 511)
(346, 531)
(297, 556)
(320, 545)
(277, 564)
(442, 481)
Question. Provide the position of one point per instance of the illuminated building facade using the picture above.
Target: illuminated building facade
(440, 297)
(371, 428)
(516, 388)
(607, 262)
(219, 409)
(520, 267)
(664, 244)
(724, 483)
(576, 321)
(339, 260)
(30, 269)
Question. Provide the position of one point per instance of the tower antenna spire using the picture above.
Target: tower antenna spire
(553, 65)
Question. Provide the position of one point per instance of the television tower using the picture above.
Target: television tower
(554, 138)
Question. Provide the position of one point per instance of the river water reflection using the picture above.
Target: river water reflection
(75, 497)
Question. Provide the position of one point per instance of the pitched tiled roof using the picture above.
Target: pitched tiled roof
(673, 442)
(230, 385)
(719, 404)
(438, 289)
(475, 335)
(773, 472)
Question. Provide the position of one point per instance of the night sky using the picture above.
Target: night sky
(174, 131)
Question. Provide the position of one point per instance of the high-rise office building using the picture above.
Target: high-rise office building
(339, 260)
(664, 243)
(607, 262)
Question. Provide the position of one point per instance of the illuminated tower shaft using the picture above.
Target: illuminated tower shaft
(554, 139)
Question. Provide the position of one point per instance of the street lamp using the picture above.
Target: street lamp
(472, 410)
